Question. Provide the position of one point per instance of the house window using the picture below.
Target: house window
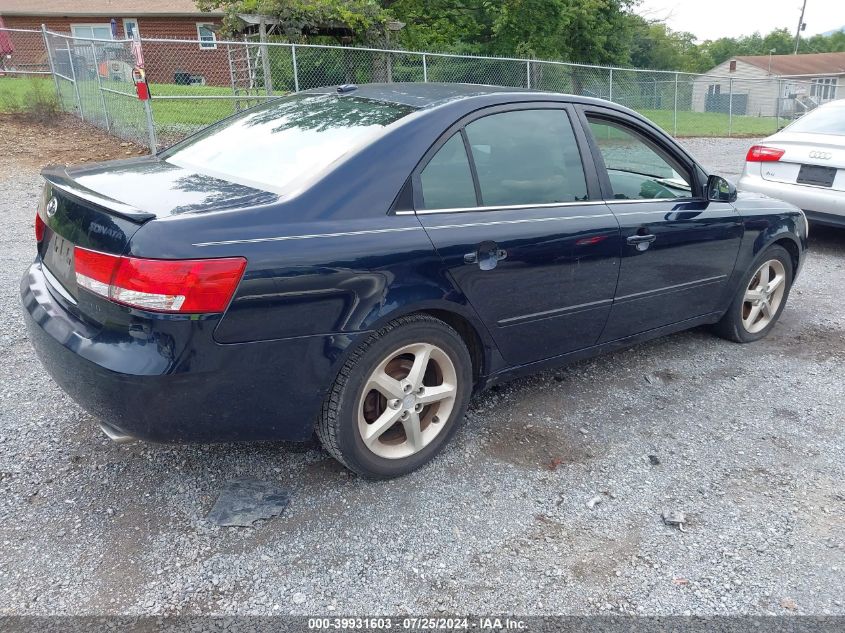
(732, 66)
(823, 88)
(714, 89)
(92, 31)
(206, 36)
(130, 27)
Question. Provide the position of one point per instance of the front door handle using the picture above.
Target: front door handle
(641, 242)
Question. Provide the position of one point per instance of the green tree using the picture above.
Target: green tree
(365, 18)
(654, 45)
(443, 25)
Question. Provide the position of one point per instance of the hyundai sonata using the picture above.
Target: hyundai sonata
(358, 261)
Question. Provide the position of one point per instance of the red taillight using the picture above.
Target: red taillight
(180, 285)
(39, 228)
(763, 154)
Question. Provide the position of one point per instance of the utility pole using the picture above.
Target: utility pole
(800, 27)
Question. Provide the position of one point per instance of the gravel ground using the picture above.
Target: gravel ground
(749, 441)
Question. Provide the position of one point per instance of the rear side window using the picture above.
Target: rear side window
(637, 170)
(288, 139)
(527, 157)
(447, 180)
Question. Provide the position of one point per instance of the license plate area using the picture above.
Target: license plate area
(816, 175)
(58, 259)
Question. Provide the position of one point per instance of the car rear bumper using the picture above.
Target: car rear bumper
(820, 204)
(148, 384)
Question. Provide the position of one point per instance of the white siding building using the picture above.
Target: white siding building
(770, 85)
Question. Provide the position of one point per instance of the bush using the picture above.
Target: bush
(33, 99)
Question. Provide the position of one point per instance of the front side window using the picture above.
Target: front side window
(637, 170)
(446, 181)
(527, 157)
(206, 36)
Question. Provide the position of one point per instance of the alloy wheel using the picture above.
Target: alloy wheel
(407, 400)
(763, 296)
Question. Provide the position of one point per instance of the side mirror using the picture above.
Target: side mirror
(720, 189)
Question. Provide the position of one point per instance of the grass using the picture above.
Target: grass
(178, 117)
(15, 88)
(174, 114)
(713, 123)
(31, 97)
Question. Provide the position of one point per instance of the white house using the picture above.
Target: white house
(770, 85)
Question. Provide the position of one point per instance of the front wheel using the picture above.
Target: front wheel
(398, 398)
(760, 299)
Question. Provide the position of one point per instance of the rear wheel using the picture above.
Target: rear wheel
(760, 299)
(398, 399)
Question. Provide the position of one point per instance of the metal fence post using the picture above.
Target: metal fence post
(75, 84)
(730, 106)
(52, 68)
(148, 107)
(675, 109)
(778, 97)
(151, 128)
(425, 69)
(265, 59)
(100, 87)
(295, 70)
(610, 85)
(528, 73)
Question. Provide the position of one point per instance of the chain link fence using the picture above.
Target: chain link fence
(194, 83)
(22, 53)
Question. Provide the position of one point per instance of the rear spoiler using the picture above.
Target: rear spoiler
(59, 179)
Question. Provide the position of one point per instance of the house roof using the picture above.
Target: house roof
(809, 64)
(104, 8)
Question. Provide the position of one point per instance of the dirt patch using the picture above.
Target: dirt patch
(815, 342)
(66, 141)
(532, 446)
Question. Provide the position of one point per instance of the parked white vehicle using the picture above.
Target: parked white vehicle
(804, 164)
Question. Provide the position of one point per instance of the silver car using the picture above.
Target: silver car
(804, 164)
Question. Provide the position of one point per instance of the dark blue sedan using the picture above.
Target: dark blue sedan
(359, 260)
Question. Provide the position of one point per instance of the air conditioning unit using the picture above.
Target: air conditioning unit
(119, 71)
(197, 80)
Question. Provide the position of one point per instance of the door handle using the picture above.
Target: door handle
(641, 239)
(641, 242)
(487, 256)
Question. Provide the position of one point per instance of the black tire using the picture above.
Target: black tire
(731, 326)
(337, 426)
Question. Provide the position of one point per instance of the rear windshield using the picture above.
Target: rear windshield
(271, 146)
(829, 120)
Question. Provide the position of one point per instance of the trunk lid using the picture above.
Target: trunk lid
(809, 159)
(100, 207)
(75, 215)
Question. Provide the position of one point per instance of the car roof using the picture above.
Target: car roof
(432, 94)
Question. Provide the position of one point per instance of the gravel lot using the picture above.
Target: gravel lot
(749, 441)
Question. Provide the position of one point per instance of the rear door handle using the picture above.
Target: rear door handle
(487, 256)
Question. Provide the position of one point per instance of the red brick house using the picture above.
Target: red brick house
(120, 19)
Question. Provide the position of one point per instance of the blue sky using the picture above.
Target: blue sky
(711, 19)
